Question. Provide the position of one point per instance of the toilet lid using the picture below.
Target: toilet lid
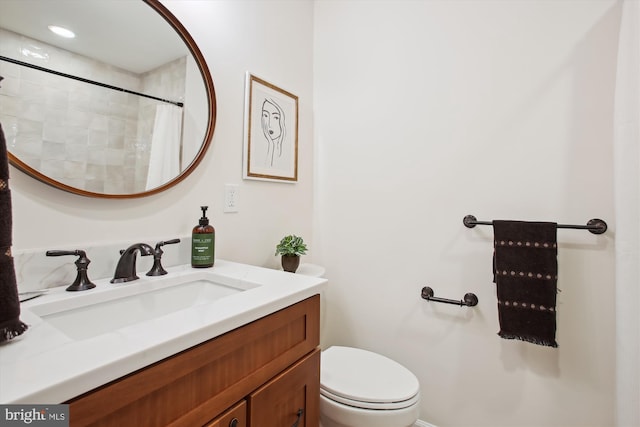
(365, 379)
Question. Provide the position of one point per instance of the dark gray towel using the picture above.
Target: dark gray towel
(10, 324)
(526, 277)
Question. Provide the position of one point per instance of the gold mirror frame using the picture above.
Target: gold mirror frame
(211, 98)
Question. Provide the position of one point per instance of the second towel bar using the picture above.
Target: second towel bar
(470, 300)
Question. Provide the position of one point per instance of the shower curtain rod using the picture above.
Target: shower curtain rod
(93, 82)
(595, 226)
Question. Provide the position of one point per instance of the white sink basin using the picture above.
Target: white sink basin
(94, 314)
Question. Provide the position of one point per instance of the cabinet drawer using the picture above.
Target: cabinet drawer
(234, 417)
(194, 386)
(291, 398)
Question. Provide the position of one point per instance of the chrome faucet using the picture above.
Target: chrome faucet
(126, 268)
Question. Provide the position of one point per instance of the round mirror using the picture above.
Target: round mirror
(124, 109)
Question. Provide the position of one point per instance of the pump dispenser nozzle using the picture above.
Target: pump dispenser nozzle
(204, 220)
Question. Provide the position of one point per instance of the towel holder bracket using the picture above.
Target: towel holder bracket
(471, 221)
(597, 226)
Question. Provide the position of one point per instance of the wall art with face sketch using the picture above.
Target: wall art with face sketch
(271, 132)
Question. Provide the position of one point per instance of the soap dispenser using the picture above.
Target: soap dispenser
(203, 241)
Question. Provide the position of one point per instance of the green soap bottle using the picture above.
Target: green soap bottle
(203, 242)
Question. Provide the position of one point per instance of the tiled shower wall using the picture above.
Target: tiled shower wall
(82, 135)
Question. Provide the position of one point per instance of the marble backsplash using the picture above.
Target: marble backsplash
(36, 271)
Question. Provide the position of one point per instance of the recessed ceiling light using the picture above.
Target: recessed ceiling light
(62, 32)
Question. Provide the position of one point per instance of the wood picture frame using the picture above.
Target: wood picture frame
(270, 132)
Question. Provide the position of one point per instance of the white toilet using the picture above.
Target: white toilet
(359, 388)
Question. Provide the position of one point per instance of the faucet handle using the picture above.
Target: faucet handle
(157, 269)
(82, 282)
(167, 242)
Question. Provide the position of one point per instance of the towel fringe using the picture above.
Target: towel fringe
(12, 329)
(528, 339)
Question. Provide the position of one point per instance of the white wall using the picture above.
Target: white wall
(271, 39)
(427, 111)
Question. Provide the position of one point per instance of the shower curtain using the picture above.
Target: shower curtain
(627, 208)
(164, 159)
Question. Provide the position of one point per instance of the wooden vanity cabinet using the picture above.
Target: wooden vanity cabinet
(260, 374)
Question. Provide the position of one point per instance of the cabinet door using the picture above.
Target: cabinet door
(234, 417)
(290, 399)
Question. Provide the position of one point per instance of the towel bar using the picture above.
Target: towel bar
(595, 225)
(470, 300)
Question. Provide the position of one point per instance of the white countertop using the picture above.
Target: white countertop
(45, 366)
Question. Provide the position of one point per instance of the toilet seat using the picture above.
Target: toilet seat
(363, 379)
(370, 405)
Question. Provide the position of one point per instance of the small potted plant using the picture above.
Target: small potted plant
(291, 247)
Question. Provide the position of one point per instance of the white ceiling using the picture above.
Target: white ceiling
(124, 33)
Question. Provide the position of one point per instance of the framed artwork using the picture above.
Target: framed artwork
(270, 132)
